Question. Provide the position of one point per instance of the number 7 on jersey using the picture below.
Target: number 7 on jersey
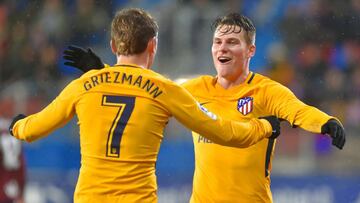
(126, 106)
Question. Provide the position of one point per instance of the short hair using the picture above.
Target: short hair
(232, 20)
(131, 29)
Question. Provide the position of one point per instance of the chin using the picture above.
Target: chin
(224, 74)
(224, 70)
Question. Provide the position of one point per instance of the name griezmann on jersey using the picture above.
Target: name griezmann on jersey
(116, 77)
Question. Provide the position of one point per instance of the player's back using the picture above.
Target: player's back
(122, 112)
(121, 128)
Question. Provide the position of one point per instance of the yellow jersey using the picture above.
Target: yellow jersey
(227, 174)
(122, 112)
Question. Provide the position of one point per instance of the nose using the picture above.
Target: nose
(222, 47)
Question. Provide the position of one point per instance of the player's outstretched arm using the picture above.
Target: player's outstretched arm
(284, 104)
(56, 114)
(82, 59)
(336, 132)
(222, 131)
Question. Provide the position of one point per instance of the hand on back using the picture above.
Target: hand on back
(82, 59)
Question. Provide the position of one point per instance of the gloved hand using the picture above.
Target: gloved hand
(336, 132)
(275, 124)
(15, 119)
(82, 59)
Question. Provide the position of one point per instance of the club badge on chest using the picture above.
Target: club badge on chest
(245, 105)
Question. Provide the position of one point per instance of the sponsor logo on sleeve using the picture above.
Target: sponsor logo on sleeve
(207, 112)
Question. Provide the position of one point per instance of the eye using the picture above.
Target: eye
(217, 41)
(233, 41)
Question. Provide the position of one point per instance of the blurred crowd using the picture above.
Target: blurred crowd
(311, 46)
(32, 37)
(322, 63)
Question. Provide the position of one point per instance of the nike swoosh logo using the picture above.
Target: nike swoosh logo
(204, 103)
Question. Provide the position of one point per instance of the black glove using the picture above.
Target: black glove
(15, 119)
(275, 124)
(82, 59)
(336, 132)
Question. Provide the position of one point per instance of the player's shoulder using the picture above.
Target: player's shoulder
(269, 85)
(198, 82)
(159, 77)
(264, 80)
(76, 86)
(75, 82)
(91, 73)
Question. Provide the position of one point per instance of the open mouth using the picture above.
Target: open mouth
(224, 59)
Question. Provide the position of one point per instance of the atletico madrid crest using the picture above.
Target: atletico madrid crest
(245, 105)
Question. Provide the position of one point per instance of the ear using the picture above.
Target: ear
(113, 46)
(152, 45)
(151, 50)
(252, 50)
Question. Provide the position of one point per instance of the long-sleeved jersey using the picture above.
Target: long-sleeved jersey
(227, 174)
(122, 111)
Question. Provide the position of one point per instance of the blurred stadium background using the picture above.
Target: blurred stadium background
(311, 46)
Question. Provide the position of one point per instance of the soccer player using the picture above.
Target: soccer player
(227, 174)
(122, 111)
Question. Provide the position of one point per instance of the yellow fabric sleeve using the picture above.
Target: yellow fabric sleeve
(55, 115)
(280, 101)
(225, 132)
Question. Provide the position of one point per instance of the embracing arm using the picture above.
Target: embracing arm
(55, 115)
(82, 59)
(220, 130)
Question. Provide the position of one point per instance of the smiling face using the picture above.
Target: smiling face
(231, 53)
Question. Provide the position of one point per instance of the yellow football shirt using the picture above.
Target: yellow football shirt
(227, 174)
(122, 112)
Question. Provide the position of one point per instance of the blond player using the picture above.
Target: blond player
(122, 111)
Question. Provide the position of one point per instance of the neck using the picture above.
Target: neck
(228, 82)
(141, 60)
